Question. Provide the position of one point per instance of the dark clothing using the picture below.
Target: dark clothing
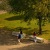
(20, 32)
(34, 34)
(19, 36)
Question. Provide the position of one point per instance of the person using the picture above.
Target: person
(20, 36)
(34, 36)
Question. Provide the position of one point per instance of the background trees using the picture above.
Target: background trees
(4, 5)
(31, 9)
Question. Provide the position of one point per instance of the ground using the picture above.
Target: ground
(26, 46)
(2, 11)
(9, 42)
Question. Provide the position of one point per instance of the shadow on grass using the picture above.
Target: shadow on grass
(22, 28)
(45, 31)
(21, 17)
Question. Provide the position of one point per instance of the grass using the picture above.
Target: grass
(46, 35)
(14, 21)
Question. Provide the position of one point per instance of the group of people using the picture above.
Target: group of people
(20, 36)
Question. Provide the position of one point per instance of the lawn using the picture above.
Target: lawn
(46, 32)
(14, 21)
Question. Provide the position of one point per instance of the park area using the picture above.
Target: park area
(26, 17)
(9, 42)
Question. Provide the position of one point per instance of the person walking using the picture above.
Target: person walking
(20, 36)
(34, 36)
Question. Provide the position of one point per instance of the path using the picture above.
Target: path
(29, 46)
(2, 12)
(5, 47)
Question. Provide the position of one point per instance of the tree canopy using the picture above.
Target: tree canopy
(30, 8)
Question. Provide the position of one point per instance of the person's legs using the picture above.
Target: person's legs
(35, 40)
(19, 40)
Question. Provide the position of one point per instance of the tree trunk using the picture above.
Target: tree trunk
(40, 27)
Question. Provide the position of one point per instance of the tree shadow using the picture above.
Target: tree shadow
(25, 30)
(45, 31)
(22, 28)
(20, 17)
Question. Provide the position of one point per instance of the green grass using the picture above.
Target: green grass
(13, 21)
(46, 35)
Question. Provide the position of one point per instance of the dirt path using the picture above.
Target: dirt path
(20, 45)
(2, 11)
(29, 46)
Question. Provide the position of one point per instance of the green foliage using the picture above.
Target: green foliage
(31, 9)
(4, 5)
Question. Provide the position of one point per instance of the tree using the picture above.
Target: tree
(31, 9)
(4, 5)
